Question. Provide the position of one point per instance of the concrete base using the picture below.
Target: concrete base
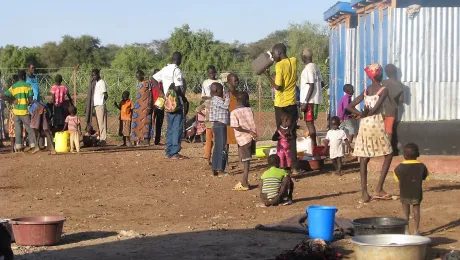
(435, 164)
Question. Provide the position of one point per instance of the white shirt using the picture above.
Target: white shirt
(169, 74)
(206, 87)
(336, 140)
(311, 75)
(99, 91)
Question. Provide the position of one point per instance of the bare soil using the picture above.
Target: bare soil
(174, 209)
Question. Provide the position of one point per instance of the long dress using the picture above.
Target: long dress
(231, 106)
(372, 140)
(142, 120)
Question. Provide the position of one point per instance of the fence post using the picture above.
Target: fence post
(75, 85)
(259, 116)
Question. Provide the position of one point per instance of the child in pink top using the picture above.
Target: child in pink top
(283, 136)
(72, 123)
(60, 104)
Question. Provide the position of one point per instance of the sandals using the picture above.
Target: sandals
(178, 157)
(239, 187)
(381, 197)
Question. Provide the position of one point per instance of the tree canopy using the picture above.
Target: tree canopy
(199, 48)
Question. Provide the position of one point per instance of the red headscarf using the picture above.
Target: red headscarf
(373, 71)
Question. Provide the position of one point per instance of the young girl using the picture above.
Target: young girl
(410, 174)
(72, 122)
(335, 139)
(283, 135)
(372, 141)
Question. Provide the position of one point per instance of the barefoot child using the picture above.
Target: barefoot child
(126, 112)
(410, 174)
(90, 138)
(72, 123)
(220, 118)
(335, 139)
(349, 122)
(276, 184)
(242, 121)
(284, 136)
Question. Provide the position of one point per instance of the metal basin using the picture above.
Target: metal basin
(390, 247)
(379, 225)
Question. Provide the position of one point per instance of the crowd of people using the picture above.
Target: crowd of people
(225, 118)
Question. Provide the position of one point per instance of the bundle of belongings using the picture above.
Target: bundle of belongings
(311, 249)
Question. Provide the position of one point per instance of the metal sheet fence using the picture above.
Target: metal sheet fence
(119, 81)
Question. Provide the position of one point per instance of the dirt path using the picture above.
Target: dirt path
(176, 210)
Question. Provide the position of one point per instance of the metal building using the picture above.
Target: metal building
(420, 37)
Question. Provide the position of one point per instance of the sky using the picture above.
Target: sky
(124, 22)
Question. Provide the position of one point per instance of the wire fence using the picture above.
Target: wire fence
(118, 81)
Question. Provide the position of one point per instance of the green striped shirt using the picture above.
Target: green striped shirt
(21, 91)
(272, 181)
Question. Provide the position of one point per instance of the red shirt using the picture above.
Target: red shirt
(155, 92)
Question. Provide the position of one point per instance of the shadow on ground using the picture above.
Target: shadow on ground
(203, 245)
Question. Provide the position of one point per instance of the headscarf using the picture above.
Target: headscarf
(373, 71)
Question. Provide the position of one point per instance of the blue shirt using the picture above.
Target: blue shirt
(35, 86)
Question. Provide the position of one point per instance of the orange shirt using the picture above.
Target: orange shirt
(126, 108)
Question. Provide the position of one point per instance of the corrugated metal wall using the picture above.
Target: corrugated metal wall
(425, 49)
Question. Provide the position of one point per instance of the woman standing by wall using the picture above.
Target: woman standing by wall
(372, 141)
(142, 114)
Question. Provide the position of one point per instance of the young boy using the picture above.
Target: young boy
(335, 138)
(90, 138)
(276, 184)
(349, 122)
(126, 112)
(220, 118)
(242, 121)
(72, 123)
(410, 174)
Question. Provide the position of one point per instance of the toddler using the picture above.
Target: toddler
(126, 112)
(72, 123)
(90, 138)
(410, 174)
(284, 135)
(335, 138)
(277, 186)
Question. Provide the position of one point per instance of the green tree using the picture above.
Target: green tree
(133, 57)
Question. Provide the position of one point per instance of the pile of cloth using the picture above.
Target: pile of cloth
(311, 249)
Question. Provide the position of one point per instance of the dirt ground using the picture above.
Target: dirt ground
(134, 204)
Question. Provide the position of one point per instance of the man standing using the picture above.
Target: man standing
(99, 99)
(285, 94)
(172, 77)
(158, 114)
(22, 93)
(311, 94)
(32, 79)
(391, 104)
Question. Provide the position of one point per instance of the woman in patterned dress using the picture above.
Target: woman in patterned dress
(142, 113)
(372, 140)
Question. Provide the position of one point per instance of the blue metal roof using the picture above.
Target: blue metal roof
(337, 9)
(355, 2)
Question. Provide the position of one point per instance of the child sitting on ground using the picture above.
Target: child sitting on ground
(90, 138)
(283, 135)
(335, 138)
(72, 123)
(242, 121)
(410, 174)
(126, 112)
(277, 186)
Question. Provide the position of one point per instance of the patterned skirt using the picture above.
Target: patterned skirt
(372, 141)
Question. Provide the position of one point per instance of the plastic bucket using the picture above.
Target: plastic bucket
(262, 63)
(321, 221)
(62, 142)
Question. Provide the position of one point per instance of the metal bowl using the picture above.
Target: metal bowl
(386, 247)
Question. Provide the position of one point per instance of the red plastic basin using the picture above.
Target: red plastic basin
(37, 231)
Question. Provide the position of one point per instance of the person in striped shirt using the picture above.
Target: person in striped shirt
(277, 186)
(22, 94)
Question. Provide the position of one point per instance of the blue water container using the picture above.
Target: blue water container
(321, 221)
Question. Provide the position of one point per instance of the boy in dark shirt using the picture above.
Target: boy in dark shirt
(410, 174)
